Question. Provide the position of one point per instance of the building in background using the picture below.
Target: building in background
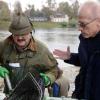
(58, 17)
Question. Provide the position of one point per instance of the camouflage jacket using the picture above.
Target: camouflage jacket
(36, 56)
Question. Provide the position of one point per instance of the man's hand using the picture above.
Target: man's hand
(3, 72)
(63, 55)
(45, 79)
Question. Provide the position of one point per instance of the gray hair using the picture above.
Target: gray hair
(92, 7)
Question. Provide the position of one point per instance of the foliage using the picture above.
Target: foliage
(17, 7)
(4, 11)
(64, 24)
(46, 25)
(70, 10)
(39, 14)
(64, 7)
(47, 11)
(30, 11)
(75, 7)
(72, 23)
(4, 25)
(49, 2)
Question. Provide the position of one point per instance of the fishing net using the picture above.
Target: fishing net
(27, 89)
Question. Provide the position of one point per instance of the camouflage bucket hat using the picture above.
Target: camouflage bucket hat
(20, 25)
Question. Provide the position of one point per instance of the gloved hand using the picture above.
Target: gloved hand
(45, 79)
(3, 71)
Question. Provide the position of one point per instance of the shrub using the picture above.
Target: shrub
(63, 24)
(72, 23)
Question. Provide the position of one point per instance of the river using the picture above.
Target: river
(58, 38)
(54, 38)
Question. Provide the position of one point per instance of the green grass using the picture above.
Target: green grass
(4, 25)
(46, 25)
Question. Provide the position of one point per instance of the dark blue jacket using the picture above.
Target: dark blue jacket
(87, 83)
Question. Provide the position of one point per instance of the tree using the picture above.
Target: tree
(47, 11)
(51, 4)
(65, 8)
(17, 7)
(70, 10)
(4, 11)
(75, 7)
(30, 11)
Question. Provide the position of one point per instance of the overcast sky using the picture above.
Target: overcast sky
(37, 3)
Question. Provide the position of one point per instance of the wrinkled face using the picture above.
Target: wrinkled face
(22, 40)
(88, 27)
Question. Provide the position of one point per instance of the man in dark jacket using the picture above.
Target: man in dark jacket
(87, 83)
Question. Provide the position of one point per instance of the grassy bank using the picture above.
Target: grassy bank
(4, 25)
(46, 25)
(71, 24)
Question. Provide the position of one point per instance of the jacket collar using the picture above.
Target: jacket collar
(32, 45)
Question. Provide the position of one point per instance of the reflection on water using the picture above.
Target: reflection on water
(59, 38)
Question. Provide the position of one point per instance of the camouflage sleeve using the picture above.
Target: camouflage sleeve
(52, 66)
(49, 61)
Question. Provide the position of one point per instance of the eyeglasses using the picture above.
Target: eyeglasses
(83, 25)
